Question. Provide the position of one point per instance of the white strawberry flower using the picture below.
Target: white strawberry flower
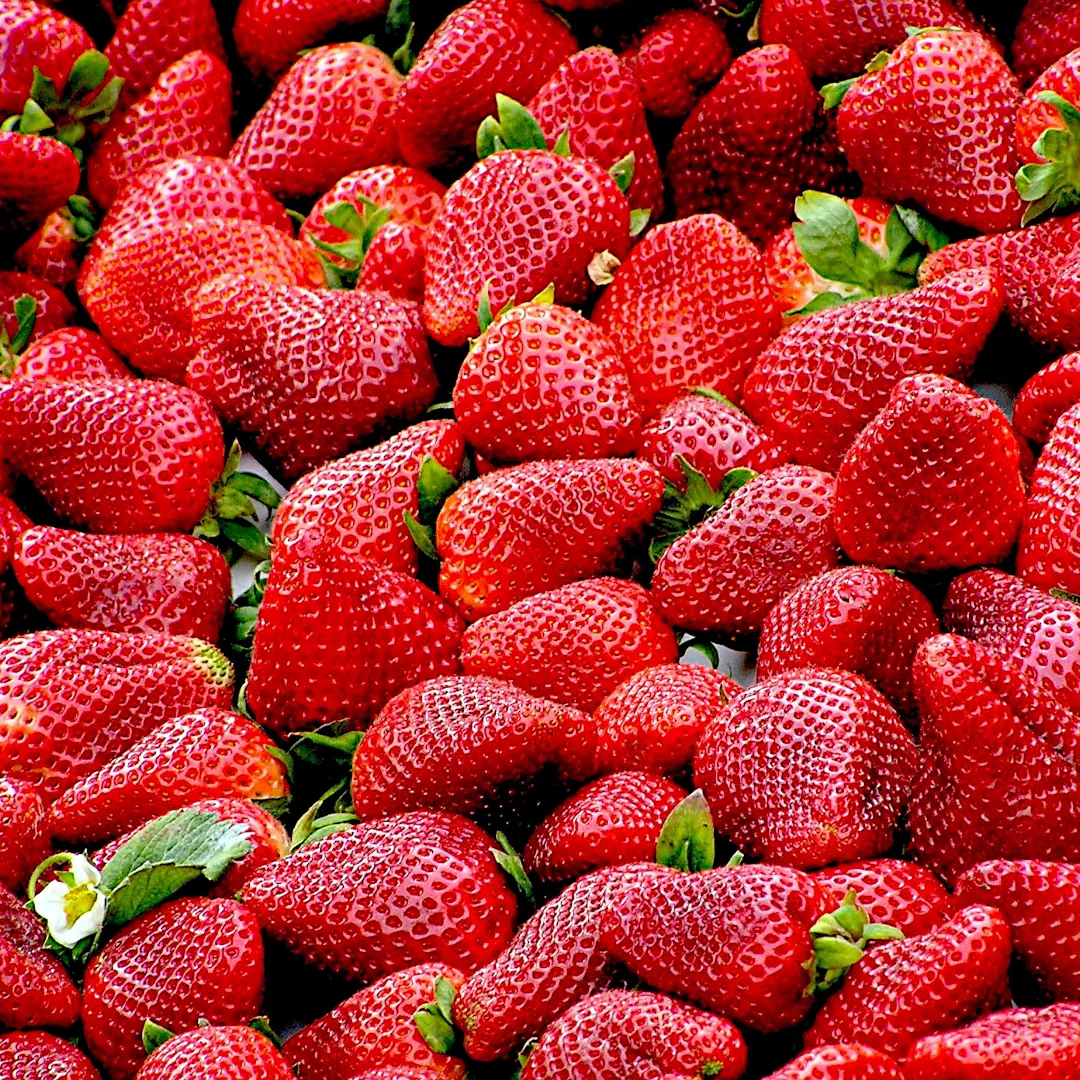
(72, 905)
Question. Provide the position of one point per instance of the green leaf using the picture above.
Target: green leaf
(562, 144)
(434, 484)
(154, 1036)
(922, 228)
(836, 953)
(702, 645)
(34, 119)
(43, 91)
(398, 17)
(403, 56)
(87, 73)
(484, 317)
(733, 480)
(638, 220)
(422, 536)
(687, 840)
(622, 172)
(1062, 594)
(318, 747)
(248, 537)
(545, 296)
(514, 129)
(444, 997)
(262, 1025)
(834, 93)
(510, 863)
(822, 302)
(305, 824)
(434, 1029)
(26, 317)
(259, 489)
(827, 236)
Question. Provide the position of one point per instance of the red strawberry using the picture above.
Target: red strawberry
(310, 373)
(54, 309)
(891, 511)
(690, 307)
(187, 111)
(543, 382)
(24, 833)
(37, 1055)
(762, 120)
(1047, 30)
(858, 618)
(185, 961)
(533, 527)
(907, 128)
(626, 1033)
(450, 743)
(517, 222)
(1043, 1044)
(817, 385)
(328, 116)
(676, 58)
(611, 821)
(769, 536)
(902, 990)
(653, 720)
(54, 250)
(74, 699)
(388, 894)
(998, 778)
(573, 644)
(216, 1053)
(114, 455)
(163, 583)
(845, 1061)
(1046, 396)
(376, 1028)
(37, 176)
(484, 47)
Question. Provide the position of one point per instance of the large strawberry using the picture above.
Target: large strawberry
(24, 834)
(1045, 397)
(216, 1053)
(33, 1055)
(1047, 30)
(70, 352)
(844, 1061)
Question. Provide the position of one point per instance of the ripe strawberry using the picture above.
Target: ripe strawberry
(1043, 1044)
(328, 116)
(37, 176)
(161, 583)
(388, 894)
(628, 1033)
(891, 512)
(35, 988)
(484, 47)
(24, 834)
(54, 309)
(763, 120)
(653, 720)
(37, 1055)
(52, 253)
(998, 778)
(690, 307)
(573, 644)
(517, 222)
(1047, 30)
(376, 1028)
(818, 385)
(543, 382)
(86, 695)
(188, 960)
(1046, 396)
(766, 538)
(902, 990)
(338, 635)
(845, 1061)
(675, 59)
(310, 373)
(451, 743)
(611, 821)
(114, 455)
(216, 1053)
(187, 111)
(858, 618)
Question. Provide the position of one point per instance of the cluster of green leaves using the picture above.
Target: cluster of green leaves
(1054, 185)
(232, 520)
(840, 940)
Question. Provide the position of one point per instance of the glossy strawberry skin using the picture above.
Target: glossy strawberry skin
(54, 309)
(70, 352)
(1035, 116)
(216, 1053)
(24, 833)
(845, 1061)
(37, 1055)
(1047, 30)
(37, 176)
(1046, 396)
(388, 894)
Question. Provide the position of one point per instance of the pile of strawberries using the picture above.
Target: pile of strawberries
(539, 540)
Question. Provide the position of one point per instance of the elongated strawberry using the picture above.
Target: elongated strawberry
(32, 1055)
(37, 176)
(24, 834)
(1046, 396)
(216, 1053)
(1047, 30)
(844, 1061)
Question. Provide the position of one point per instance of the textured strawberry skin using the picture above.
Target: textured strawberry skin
(70, 352)
(54, 309)
(37, 1055)
(1047, 30)
(1046, 396)
(1035, 116)
(37, 175)
(34, 35)
(217, 1053)
(847, 1061)
(24, 833)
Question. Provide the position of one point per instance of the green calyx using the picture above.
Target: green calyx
(840, 940)
(232, 520)
(687, 840)
(622, 172)
(314, 825)
(435, 1021)
(514, 128)
(239, 633)
(834, 93)
(155, 1036)
(827, 236)
(13, 346)
(361, 223)
(1053, 186)
(510, 863)
(1064, 594)
(434, 485)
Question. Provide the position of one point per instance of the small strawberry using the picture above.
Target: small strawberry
(37, 1055)
(216, 1053)
(844, 1061)
(53, 309)
(54, 251)
(1047, 30)
(1046, 396)
(38, 175)
(24, 833)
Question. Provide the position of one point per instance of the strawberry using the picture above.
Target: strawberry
(807, 768)
(114, 455)
(376, 1028)
(517, 222)
(37, 176)
(451, 743)
(358, 502)
(35, 1055)
(573, 644)
(338, 635)
(675, 59)
(653, 720)
(1047, 30)
(531, 528)
(906, 128)
(712, 434)
(902, 990)
(858, 618)
(1039, 900)
(484, 47)
(187, 110)
(24, 833)
(764, 120)
(53, 310)
(388, 894)
(1046, 396)
(628, 1033)
(890, 512)
(998, 778)
(541, 381)
(216, 1053)
(186, 961)
(611, 821)
(844, 1061)
(54, 250)
(35, 989)
(74, 699)
(310, 373)
(690, 307)
(822, 381)
(768, 536)
(162, 583)
(1020, 1043)
(328, 116)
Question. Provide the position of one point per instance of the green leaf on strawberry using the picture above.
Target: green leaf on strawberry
(840, 940)
(435, 1020)
(622, 172)
(233, 521)
(12, 347)
(513, 129)
(687, 840)
(361, 225)
(155, 1036)
(1054, 186)
(510, 863)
